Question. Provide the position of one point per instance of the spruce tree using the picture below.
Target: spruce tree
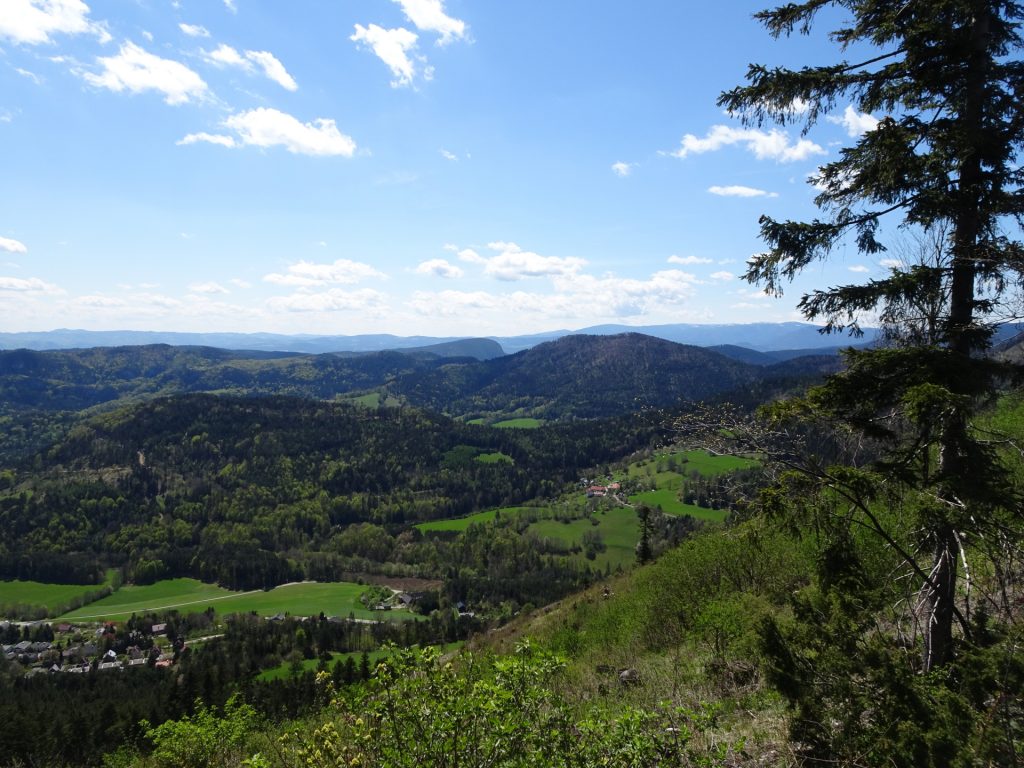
(945, 80)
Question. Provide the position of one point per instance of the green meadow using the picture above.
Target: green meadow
(189, 596)
(494, 458)
(462, 523)
(53, 597)
(618, 527)
(518, 424)
(668, 471)
(667, 500)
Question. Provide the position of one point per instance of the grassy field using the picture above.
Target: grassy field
(684, 462)
(709, 465)
(189, 595)
(668, 471)
(53, 597)
(518, 424)
(494, 458)
(668, 500)
(370, 400)
(619, 529)
(462, 523)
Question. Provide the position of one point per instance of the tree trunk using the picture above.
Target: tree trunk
(939, 597)
(940, 592)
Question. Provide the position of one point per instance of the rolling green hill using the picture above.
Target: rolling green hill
(578, 377)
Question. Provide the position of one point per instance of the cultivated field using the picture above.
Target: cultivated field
(52, 597)
(190, 596)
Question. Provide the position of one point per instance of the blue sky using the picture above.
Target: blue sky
(402, 166)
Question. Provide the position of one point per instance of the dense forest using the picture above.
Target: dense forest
(256, 492)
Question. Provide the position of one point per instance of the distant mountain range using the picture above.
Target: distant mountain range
(576, 376)
(756, 336)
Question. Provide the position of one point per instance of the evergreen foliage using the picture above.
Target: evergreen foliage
(907, 463)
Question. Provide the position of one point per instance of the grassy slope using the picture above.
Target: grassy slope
(52, 596)
(462, 523)
(686, 623)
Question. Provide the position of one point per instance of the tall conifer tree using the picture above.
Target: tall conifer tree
(946, 81)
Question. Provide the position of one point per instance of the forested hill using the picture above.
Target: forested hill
(573, 377)
(81, 378)
(222, 487)
(579, 376)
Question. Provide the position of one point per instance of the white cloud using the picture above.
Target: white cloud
(890, 263)
(34, 21)
(30, 75)
(688, 260)
(448, 155)
(455, 303)
(30, 285)
(575, 296)
(266, 127)
(765, 145)
(209, 138)
(306, 274)
(335, 300)
(622, 169)
(208, 288)
(627, 297)
(429, 16)
(723, 275)
(239, 283)
(439, 268)
(798, 107)
(273, 69)
(512, 263)
(855, 123)
(12, 246)
(225, 55)
(737, 190)
(136, 70)
(859, 268)
(471, 256)
(392, 46)
(230, 5)
(94, 301)
(194, 30)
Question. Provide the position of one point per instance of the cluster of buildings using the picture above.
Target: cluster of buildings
(71, 652)
(600, 491)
